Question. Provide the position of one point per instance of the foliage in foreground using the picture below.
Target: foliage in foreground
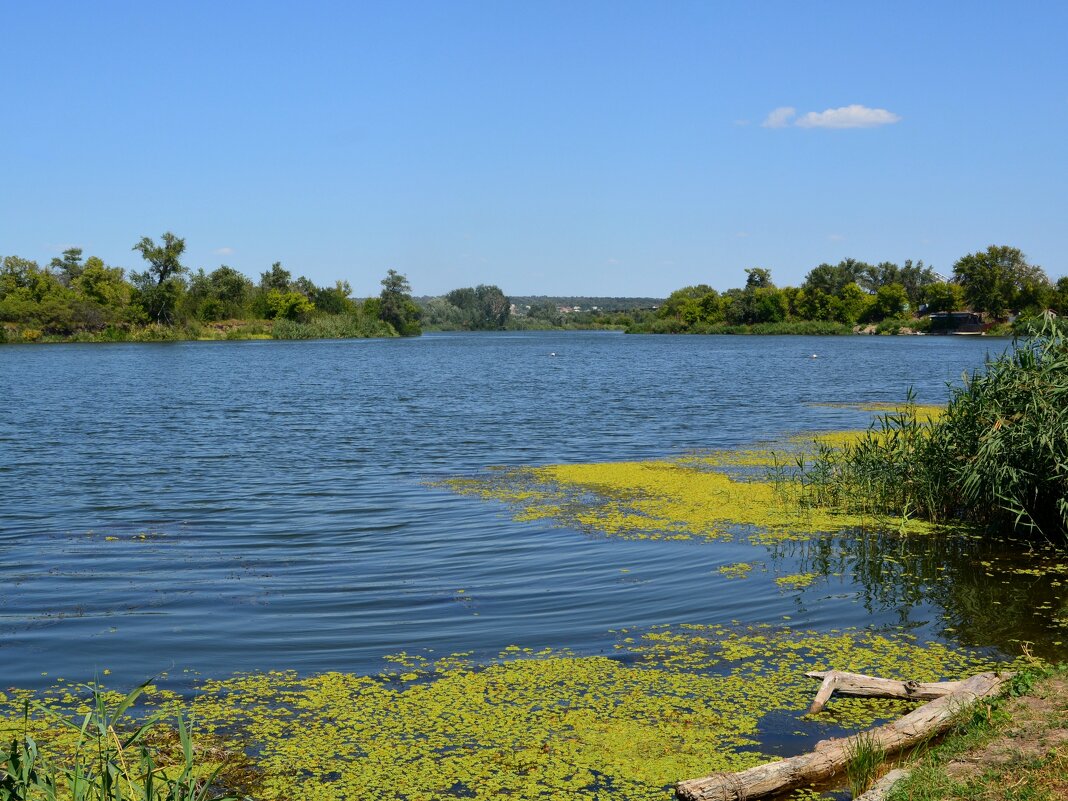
(997, 458)
(106, 756)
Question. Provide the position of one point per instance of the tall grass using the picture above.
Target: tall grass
(332, 326)
(864, 758)
(997, 458)
(109, 758)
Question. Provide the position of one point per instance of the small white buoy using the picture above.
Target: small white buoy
(553, 353)
(814, 356)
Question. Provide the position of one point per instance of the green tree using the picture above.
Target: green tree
(164, 259)
(32, 296)
(69, 267)
(891, 300)
(276, 278)
(160, 287)
(812, 303)
(854, 303)
(999, 280)
(335, 299)
(545, 310)
(103, 285)
(943, 296)
(758, 278)
(493, 306)
(831, 279)
(1059, 299)
(396, 306)
(219, 295)
(288, 305)
(683, 302)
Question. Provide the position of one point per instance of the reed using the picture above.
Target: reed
(997, 458)
(865, 758)
(110, 757)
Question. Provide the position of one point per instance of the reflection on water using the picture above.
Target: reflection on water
(980, 592)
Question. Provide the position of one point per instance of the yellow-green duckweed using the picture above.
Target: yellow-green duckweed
(687, 701)
(709, 495)
(663, 499)
(737, 570)
(797, 581)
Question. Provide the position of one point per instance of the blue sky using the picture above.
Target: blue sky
(609, 148)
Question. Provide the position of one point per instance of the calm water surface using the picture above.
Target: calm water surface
(219, 507)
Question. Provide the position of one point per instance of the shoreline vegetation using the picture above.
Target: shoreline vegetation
(76, 299)
(84, 300)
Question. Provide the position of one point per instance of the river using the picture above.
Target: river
(207, 508)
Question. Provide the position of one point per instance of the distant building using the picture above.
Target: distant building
(960, 322)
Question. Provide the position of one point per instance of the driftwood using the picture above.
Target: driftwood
(881, 789)
(830, 756)
(858, 684)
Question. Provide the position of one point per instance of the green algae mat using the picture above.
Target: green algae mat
(713, 495)
(685, 701)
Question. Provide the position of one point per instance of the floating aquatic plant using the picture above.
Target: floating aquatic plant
(716, 495)
(686, 701)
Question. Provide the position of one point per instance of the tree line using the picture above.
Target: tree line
(994, 283)
(84, 298)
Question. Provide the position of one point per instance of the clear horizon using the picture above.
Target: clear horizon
(552, 149)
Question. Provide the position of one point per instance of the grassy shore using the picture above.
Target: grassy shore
(1012, 749)
(337, 326)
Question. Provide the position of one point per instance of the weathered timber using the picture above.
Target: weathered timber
(857, 684)
(880, 791)
(830, 756)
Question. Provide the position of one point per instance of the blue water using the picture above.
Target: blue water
(206, 508)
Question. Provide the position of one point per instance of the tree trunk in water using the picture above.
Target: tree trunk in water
(830, 756)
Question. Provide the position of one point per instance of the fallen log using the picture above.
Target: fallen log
(830, 756)
(857, 684)
(880, 791)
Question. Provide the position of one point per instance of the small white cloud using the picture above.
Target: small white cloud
(854, 116)
(611, 260)
(836, 237)
(741, 123)
(223, 251)
(779, 118)
(742, 234)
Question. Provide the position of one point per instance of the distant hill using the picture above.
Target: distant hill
(584, 302)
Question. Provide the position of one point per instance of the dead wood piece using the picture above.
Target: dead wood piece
(830, 756)
(857, 684)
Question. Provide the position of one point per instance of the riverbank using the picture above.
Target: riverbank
(325, 327)
(1011, 749)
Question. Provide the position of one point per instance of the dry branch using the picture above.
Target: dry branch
(857, 684)
(830, 756)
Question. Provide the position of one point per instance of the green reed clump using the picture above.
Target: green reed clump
(864, 758)
(997, 458)
(332, 326)
(107, 756)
